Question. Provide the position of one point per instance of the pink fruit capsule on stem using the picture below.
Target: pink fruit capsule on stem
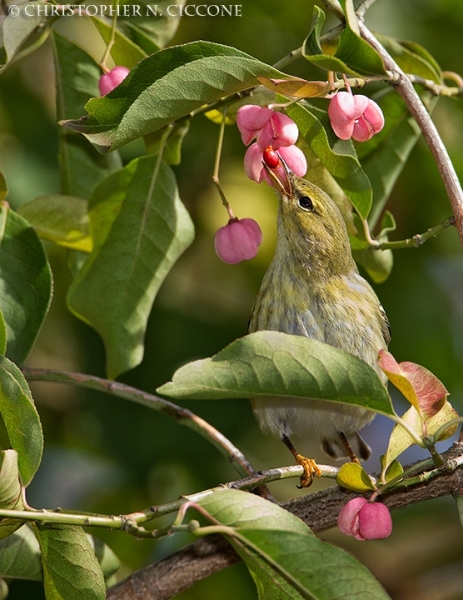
(109, 81)
(365, 520)
(238, 240)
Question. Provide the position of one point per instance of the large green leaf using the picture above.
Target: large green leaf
(165, 87)
(337, 156)
(283, 556)
(21, 419)
(353, 56)
(140, 228)
(270, 363)
(150, 26)
(71, 570)
(412, 58)
(60, 219)
(25, 283)
(77, 75)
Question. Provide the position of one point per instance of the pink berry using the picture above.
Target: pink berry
(111, 80)
(365, 520)
(238, 240)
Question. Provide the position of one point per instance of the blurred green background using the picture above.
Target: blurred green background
(107, 455)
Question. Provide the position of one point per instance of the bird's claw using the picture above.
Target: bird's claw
(311, 469)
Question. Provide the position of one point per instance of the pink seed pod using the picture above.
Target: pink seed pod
(356, 117)
(250, 119)
(279, 131)
(370, 123)
(295, 159)
(111, 80)
(365, 520)
(238, 240)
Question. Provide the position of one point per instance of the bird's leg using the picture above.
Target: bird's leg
(350, 453)
(308, 464)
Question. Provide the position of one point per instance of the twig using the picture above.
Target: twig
(182, 415)
(172, 575)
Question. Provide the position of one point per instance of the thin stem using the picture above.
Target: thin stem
(182, 415)
(437, 89)
(334, 7)
(111, 39)
(417, 240)
(288, 59)
(362, 9)
(215, 174)
(416, 107)
(436, 457)
(405, 476)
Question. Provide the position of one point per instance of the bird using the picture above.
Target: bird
(313, 288)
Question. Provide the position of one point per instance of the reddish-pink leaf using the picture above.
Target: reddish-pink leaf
(419, 386)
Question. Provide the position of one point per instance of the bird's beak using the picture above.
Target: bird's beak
(281, 181)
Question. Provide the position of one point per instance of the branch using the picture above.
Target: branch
(172, 575)
(182, 415)
(416, 107)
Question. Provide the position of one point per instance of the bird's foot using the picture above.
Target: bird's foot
(311, 469)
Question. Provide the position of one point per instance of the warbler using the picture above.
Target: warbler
(313, 288)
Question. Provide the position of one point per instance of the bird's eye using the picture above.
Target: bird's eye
(306, 203)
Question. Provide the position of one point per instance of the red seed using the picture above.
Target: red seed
(271, 158)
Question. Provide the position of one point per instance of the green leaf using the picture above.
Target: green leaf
(20, 555)
(337, 156)
(21, 419)
(271, 363)
(124, 52)
(353, 56)
(353, 477)
(172, 147)
(16, 29)
(71, 570)
(385, 155)
(394, 470)
(10, 492)
(60, 219)
(25, 283)
(150, 31)
(284, 558)
(108, 560)
(77, 75)
(411, 58)
(140, 228)
(165, 87)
